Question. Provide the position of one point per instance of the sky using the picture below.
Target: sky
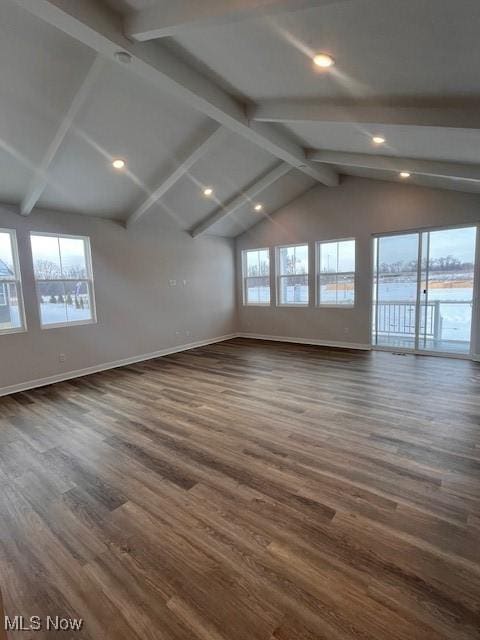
(459, 243)
(67, 251)
(5, 249)
(48, 248)
(337, 256)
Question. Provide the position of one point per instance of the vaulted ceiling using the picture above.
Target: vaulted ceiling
(225, 95)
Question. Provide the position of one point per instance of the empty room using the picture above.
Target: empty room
(240, 319)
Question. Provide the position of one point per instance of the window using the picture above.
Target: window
(292, 269)
(12, 317)
(336, 273)
(63, 275)
(256, 277)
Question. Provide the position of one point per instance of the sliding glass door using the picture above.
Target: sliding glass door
(395, 291)
(447, 290)
(423, 290)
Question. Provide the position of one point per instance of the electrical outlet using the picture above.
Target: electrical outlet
(172, 283)
(62, 357)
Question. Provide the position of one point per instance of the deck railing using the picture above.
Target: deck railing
(396, 318)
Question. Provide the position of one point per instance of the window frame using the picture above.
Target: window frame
(89, 280)
(319, 274)
(245, 278)
(279, 276)
(17, 281)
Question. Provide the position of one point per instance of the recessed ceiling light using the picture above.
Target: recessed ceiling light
(323, 60)
(208, 192)
(378, 140)
(118, 163)
(258, 207)
(404, 174)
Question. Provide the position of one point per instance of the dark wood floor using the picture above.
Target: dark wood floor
(247, 491)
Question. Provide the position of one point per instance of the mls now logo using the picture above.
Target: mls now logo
(35, 623)
(64, 624)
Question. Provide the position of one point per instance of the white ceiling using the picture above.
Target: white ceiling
(124, 117)
(229, 168)
(36, 86)
(384, 49)
(381, 47)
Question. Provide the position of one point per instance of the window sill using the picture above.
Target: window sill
(9, 332)
(335, 306)
(266, 305)
(293, 306)
(67, 324)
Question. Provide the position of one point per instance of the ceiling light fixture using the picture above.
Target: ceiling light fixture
(123, 56)
(323, 60)
(258, 207)
(208, 192)
(404, 174)
(118, 163)
(378, 140)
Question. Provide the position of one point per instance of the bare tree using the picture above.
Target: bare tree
(74, 273)
(47, 270)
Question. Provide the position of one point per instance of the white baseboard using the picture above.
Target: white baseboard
(313, 341)
(61, 377)
(69, 375)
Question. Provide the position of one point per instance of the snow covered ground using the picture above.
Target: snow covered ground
(455, 306)
(54, 314)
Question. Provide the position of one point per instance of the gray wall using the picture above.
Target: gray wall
(138, 311)
(358, 208)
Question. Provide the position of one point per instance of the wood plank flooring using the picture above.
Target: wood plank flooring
(247, 491)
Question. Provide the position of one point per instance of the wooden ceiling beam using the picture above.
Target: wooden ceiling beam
(435, 168)
(421, 114)
(171, 18)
